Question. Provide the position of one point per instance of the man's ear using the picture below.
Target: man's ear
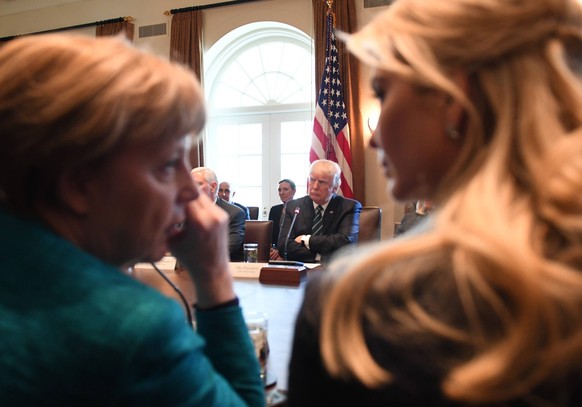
(73, 191)
(214, 187)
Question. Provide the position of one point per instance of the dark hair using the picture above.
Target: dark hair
(287, 180)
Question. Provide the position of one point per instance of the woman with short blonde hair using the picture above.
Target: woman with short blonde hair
(95, 177)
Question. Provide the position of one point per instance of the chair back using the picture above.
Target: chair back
(254, 212)
(370, 224)
(260, 231)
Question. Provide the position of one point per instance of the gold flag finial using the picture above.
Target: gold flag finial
(329, 4)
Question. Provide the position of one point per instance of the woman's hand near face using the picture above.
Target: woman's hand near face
(202, 248)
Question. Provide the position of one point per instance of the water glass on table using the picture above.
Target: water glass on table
(258, 324)
(251, 252)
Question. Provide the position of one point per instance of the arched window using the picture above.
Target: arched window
(259, 87)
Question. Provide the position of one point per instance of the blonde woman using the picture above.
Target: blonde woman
(481, 111)
(94, 176)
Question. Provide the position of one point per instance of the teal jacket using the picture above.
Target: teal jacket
(77, 331)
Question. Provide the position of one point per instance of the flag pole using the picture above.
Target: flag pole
(329, 146)
(330, 125)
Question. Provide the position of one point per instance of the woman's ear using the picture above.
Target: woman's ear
(73, 191)
(455, 112)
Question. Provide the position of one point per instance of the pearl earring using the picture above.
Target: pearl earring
(452, 133)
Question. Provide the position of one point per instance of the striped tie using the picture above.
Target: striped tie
(317, 221)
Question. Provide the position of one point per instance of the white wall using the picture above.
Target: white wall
(28, 16)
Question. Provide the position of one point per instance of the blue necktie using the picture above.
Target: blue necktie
(317, 221)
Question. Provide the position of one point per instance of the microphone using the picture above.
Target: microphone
(295, 213)
(178, 291)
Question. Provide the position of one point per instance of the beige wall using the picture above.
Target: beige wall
(26, 16)
(16, 19)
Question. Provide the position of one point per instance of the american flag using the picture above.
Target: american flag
(331, 135)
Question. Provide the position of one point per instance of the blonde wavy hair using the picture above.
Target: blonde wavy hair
(70, 101)
(497, 279)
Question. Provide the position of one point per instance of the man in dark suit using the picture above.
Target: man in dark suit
(286, 191)
(207, 182)
(315, 238)
(226, 193)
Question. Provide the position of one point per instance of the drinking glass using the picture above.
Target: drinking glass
(251, 252)
(258, 324)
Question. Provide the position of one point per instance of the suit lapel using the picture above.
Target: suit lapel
(330, 212)
(308, 211)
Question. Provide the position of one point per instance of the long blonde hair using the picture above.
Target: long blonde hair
(499, 273)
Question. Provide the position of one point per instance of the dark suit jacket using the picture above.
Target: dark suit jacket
(236, 229)
(341, 223)
(310, 385)
(245, 210)
(418, 365)
(275, 216)
(409, 221)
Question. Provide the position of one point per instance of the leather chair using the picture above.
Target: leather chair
(254, 212)
(260, 231)
(370, 224)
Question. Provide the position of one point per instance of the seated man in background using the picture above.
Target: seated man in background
(227, 193)
(414, 217)
(324, 220)
(207, 182)
(286, 191)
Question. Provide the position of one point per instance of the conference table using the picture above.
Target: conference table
(280, 303)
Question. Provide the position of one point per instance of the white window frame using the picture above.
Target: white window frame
(270, 115)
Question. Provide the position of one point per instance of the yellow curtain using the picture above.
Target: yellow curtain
(110, 29)
(345, 20)
(186, 48)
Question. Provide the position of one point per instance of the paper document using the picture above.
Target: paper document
(167, 263)
(246, 270)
